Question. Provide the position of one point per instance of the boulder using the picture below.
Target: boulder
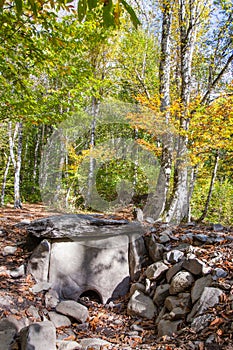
(194, 265)
(155, 249)
(73, 309)
(173, 271)
(38, 336)
(209, 298)
(137, 286)
(182, 300)
(8, 331)
(161, 293)
(141, 305)
(59, 320)
(181, 282)
(199, 286)
(167, 327)
(156, 270)
(174, 256)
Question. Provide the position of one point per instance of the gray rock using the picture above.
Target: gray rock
(39, 287)
(161, 293)
(199, 286)
(9, 250)
(181, 282)
(59, 320)
(6, 301)
(209, 298)
(94, 343)
(178, 313)
(164, 238)
(137, 256)
(38, 265)
(73, 309)
(68, 345)
(201, 322)
(219, 273)
(141, 305)
(137, 286)
(194, 265)
(182, 300)
(51, 299)
(173, 271)
(154, 248)
(174, 256)
(8, 331)
(12, 322)
(166, 327)
(156, 270)
(218, 227)
(201, 238)
(33, 312)
(18, 272)
(38, 336)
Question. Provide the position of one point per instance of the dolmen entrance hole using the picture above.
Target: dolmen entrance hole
(86, 256)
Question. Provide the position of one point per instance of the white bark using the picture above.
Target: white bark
(17, 200)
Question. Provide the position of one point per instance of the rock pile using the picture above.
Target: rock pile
(180, 285)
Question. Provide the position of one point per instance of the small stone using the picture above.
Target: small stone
(201, 322)
(182, 300)
(73, 309)
(39, 336)
(137, 286)
(154, 248)
(68, 345)
(93, 343)
(141, 305)
(194, 265)
(218, 227)
(161, 293)
(40, 286)
(156, 270)
(164, 238)
(166, 327)
(201, 238)
(9, 250)
(174, 256)
(219, 273)
(33, 312)
(178, 313)
(18, 272)
(51, 299)
(173, 271)
(181, 282)
(59, 320)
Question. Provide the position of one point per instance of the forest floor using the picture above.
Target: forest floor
(109, 323)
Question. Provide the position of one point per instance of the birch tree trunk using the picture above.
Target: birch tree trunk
(17, 200)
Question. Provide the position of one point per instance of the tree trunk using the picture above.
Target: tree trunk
(17, 200)
(4, 181)
(157, 204)
(213, 177)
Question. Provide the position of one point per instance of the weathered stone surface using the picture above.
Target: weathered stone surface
(38, 264)
(137, 256)
(141, 305)
(161, 293)
(199, 286)
(219, 273)
(154, 248)
(18, 272)
(178, 313)
(39, 336)
(181, 300)
(195, 266)
(174, 256)
(94, 343)
(137, 286)
(173, 271)
(103, 268)
(68, 345)
(59, 320)
(9, 250)
(209, 298)
(8, 332)
(166, 327)
(181, 282)
(33, 312)
(73, 309)
(155, 270)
